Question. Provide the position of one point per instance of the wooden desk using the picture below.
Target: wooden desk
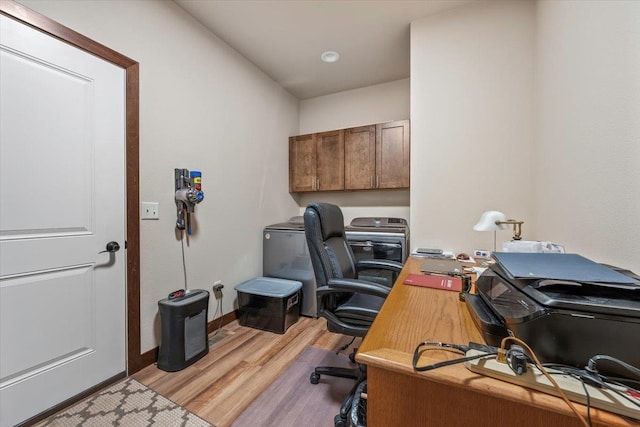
(452, 395)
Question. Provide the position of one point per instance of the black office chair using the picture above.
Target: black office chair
(350, 305)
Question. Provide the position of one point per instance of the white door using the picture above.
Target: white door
(62, 169)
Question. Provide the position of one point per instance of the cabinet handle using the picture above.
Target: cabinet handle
(313, 184)
(318, 184)
(377, 181)
(371, 182)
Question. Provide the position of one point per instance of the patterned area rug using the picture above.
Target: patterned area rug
(127, 403)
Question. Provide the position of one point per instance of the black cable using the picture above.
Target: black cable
(595, 380)
(588, 397)
(221, 315)
(218, 308)
(459, 348)
(517, 359)
(621, 382)
(623, 395)
(591, 366)
(448, 362)
(571, 371)
(346, 346)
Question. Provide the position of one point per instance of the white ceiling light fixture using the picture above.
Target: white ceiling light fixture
(330, 56)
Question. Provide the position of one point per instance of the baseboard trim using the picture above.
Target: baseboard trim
(150, 357)
(224, 320)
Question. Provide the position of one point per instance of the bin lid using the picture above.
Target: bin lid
(269, 287)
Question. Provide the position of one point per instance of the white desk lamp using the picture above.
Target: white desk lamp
(494, 221)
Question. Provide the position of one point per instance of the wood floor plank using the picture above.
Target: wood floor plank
(238, 368)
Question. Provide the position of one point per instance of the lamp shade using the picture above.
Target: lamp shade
(488, 221)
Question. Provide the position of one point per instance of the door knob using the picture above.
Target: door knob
(111, 247)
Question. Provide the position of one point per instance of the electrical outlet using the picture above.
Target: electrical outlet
(217, 289)
(481, 253)
(149, 210)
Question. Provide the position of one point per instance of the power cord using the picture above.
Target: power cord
(346, 346)
(487, 350)
(502, 357)
(217, 293)
(217, 288)
(184, 264)
(589, 375)
(517, 357)
(591, 366)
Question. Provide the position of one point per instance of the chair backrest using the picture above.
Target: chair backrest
(330, 253)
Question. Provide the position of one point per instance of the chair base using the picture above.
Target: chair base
(359, 374)
(351, 373)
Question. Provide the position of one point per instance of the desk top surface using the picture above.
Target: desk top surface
(413, 314)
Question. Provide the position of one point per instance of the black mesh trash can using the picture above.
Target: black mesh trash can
(183, 323)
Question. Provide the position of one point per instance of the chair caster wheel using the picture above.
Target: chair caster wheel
(315, 378)
(338, 421)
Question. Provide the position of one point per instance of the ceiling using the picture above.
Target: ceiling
(285, 38)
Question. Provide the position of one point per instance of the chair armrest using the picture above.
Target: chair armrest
(379, 264)
(353, 285)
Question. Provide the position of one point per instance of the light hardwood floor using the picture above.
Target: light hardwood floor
(238, 368)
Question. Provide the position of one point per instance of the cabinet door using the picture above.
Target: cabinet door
(360, 158)
(392, 154)
(302, 163)
(330, 161)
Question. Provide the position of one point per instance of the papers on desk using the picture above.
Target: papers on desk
(443, 255)
(451, 267)
(476, 270)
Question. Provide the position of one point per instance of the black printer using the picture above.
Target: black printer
(564, 306)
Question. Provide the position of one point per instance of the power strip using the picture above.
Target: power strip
(572, 387)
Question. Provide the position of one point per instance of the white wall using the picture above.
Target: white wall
(365, 106)
(373, 104)
(202, 107)
(471, 121)
(588, 128)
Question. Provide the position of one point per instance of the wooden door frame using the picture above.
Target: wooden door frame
(135, 361)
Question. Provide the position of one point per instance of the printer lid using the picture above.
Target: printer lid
(588, 297)
(569, 267)
(571, 295)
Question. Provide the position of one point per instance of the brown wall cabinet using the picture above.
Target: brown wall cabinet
(360, 158)
(392, 154)
(316, 162)
(377, 156)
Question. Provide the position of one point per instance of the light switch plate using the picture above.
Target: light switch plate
(149, 210)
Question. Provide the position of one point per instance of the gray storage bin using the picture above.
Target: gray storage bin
(269, 304)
